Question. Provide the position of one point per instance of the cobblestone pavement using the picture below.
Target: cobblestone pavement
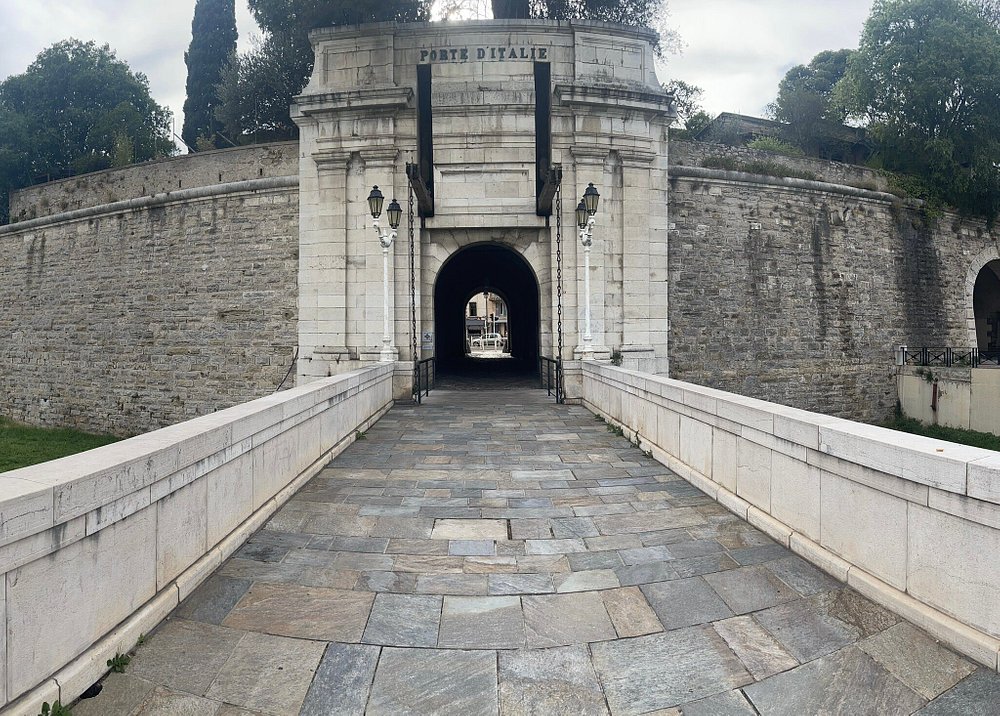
(492, 552)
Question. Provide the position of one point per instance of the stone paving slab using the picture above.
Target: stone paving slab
(434, 681)
(460, 561)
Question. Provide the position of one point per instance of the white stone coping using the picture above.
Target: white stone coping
(149, 202)
(160, 511)
(484, 27)
(682, 171)
(911, 522)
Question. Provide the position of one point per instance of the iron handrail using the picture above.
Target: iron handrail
(947, 357)
(550, 373)
(424, 375)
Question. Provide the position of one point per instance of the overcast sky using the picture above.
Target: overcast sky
(736, 50)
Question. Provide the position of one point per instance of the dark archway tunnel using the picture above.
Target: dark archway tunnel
(498, 269)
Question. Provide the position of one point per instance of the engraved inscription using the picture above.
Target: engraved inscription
(483, 54)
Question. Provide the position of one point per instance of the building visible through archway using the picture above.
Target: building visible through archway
(986, 304)
(494, 269)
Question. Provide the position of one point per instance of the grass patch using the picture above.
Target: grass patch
(765, 168)
(23, 445)
(989, 441)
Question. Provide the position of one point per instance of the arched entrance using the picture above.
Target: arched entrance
(500, 270)
(986, 306)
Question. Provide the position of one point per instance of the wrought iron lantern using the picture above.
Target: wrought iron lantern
(590, 199)
(394, 213)
(375, 200)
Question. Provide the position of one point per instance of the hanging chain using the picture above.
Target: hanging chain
(559, 287)
(413, 289)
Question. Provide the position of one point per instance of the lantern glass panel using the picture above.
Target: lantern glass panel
(591, 198)
(375, 200)
(394, 214)
(581, 215)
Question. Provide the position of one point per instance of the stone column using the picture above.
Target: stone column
(643, 261)
(322, 267)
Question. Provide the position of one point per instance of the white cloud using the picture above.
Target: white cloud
(738, 50)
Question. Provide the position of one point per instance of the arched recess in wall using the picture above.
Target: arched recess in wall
(496, 268)
(986, 306)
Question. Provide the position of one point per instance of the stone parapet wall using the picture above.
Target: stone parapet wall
(695, 154)
(967, 398)
(122, 320)
(910, 522)
(97, 548)
(222, 166)
(799, 292)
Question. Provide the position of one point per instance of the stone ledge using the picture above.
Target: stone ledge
(685, 172)
(149, 202)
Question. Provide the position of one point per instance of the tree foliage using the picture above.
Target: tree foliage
(257, 88)
(806, 94)
(808, 103)
(691, 116)
(213, 42)
(77, 108)
(645, 13)
(687, 99)
(926, 78)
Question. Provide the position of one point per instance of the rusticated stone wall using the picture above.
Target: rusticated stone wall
(797, 292)
(123, 320)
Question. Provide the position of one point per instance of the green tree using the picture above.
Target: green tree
(645, 13)
(806, 94)
(687, 99)
(213, 42)
(808, 103)
(511, 9)
(282, 62)
(926, 78)
(76, 108)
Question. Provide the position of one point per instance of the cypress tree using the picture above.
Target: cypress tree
(213, 42)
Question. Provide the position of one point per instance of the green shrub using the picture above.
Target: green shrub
(776, 146)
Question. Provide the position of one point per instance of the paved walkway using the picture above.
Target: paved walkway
(491, 552)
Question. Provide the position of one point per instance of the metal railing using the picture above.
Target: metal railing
(424, 373)
(550, 373)
(947, 357)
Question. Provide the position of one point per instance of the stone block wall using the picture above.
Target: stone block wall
(798, 292)
(123, 320)
(967, 398)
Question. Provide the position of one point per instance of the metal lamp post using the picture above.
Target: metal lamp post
(385, 238)
(585, 211)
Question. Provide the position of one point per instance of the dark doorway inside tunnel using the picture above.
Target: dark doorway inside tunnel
(495, 270)
(986, 305)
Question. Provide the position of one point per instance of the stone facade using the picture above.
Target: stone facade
(125, 320)
(358, 128)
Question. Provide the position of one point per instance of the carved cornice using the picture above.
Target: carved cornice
(379, 156)
(332, 159)
(608, 97)
(370, 99)
(589, 154)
